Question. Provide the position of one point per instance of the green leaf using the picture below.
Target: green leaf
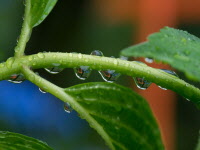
(175, 47)
(38, 10)
(122, 117)
(15, 141)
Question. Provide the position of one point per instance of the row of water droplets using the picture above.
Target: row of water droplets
(83, 72)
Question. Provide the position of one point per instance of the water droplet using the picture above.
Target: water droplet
(54, 70)
(34, 63)
(9, 62)
(148, 60)
(40, 55)
(187, 99)
(83, 72)
(96, 53)
(169, 72)
(162, 88)
(67, 107)
(16, 78)
(123, 58)
(30, 58)
(17, 39)
(41, 90)
(141, 83)
(109, 75)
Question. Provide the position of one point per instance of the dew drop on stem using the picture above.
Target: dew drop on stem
(148, 60)
(42, 91)
(109, 75)
(162, 88)
(96, 53)
(82, 72)
(16, 78)
(54, 70)
(169, 72)
(67, 107)
(123, 58)
(41, 55)
(141, 83)
(10, 62)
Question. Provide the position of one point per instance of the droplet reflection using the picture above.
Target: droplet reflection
(54, 70)
(43, 91)
(16, 78)
(83, 72)
(109, 75)
(142, 83)
(148, 60)
(96, 53)
(169, 72)
(67, 107)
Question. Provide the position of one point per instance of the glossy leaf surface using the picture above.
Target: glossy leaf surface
(120, 116)
(38, 10)
(15, 141)
(175, 47)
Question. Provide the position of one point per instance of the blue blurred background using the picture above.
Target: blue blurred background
(75, 26)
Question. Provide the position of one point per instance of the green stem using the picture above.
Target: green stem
(71, 60)
(25, 32)
(62, 95)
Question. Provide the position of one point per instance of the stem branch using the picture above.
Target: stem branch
(60, 93)
(130, 68)
(25, 32)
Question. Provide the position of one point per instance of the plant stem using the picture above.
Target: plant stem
(130, 68)
(62, 95)
(25, 32)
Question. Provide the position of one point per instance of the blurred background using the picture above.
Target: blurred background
(83, 26)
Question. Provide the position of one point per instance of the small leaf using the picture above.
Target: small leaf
(175, 47)
(38, 10)
(120, 116)
(15, 141)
